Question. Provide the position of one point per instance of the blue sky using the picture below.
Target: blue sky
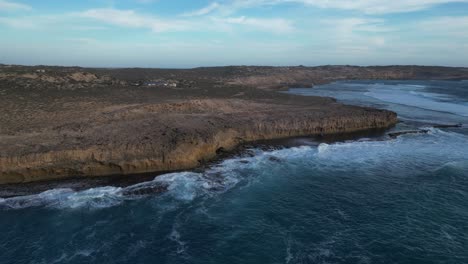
(189, 33)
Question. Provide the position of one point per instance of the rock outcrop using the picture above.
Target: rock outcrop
(132, 139)
(62, 122)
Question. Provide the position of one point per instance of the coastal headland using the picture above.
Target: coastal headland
(64, 122)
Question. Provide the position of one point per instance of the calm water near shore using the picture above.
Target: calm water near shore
(368, 200)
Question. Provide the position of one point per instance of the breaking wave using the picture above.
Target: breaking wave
(435, 102)
(435, 149)
(424, 100)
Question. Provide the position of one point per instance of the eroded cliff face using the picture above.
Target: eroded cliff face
(140, 138)
(61, 122)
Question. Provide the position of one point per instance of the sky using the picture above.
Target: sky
(192, 33)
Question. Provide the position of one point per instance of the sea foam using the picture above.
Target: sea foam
(432, 148)
(425, 100)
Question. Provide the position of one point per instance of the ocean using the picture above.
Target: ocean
(375, 199)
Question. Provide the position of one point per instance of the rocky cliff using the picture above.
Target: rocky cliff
(58, 123)
(131, 139)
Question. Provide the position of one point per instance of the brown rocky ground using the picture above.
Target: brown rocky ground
(57, 122)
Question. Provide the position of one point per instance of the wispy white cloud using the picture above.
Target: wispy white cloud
(358, 24)
(65, 22)
(203, 11)
(6, 5)
(277, 25)
(20, 23)
(102, 19)
(364, 6)
(132, 19)
(377, 6)
(355, 35)
(84, 41)
(455, 26)
(146, 1)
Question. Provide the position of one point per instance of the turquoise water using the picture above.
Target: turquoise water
(368, 200)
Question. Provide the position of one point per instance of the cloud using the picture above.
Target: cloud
(85, 41)
(456, 26)
(220, 14)
(18, 23)
(146, 1)
(376, 6)
(265, 24)
(354, 35)
(203, 11)
(6, 5)
(364, 6)
(132, 19)
(358, 24)
(64, 22)
(95, 19)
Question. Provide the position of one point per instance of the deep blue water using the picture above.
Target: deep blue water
(369, 200)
